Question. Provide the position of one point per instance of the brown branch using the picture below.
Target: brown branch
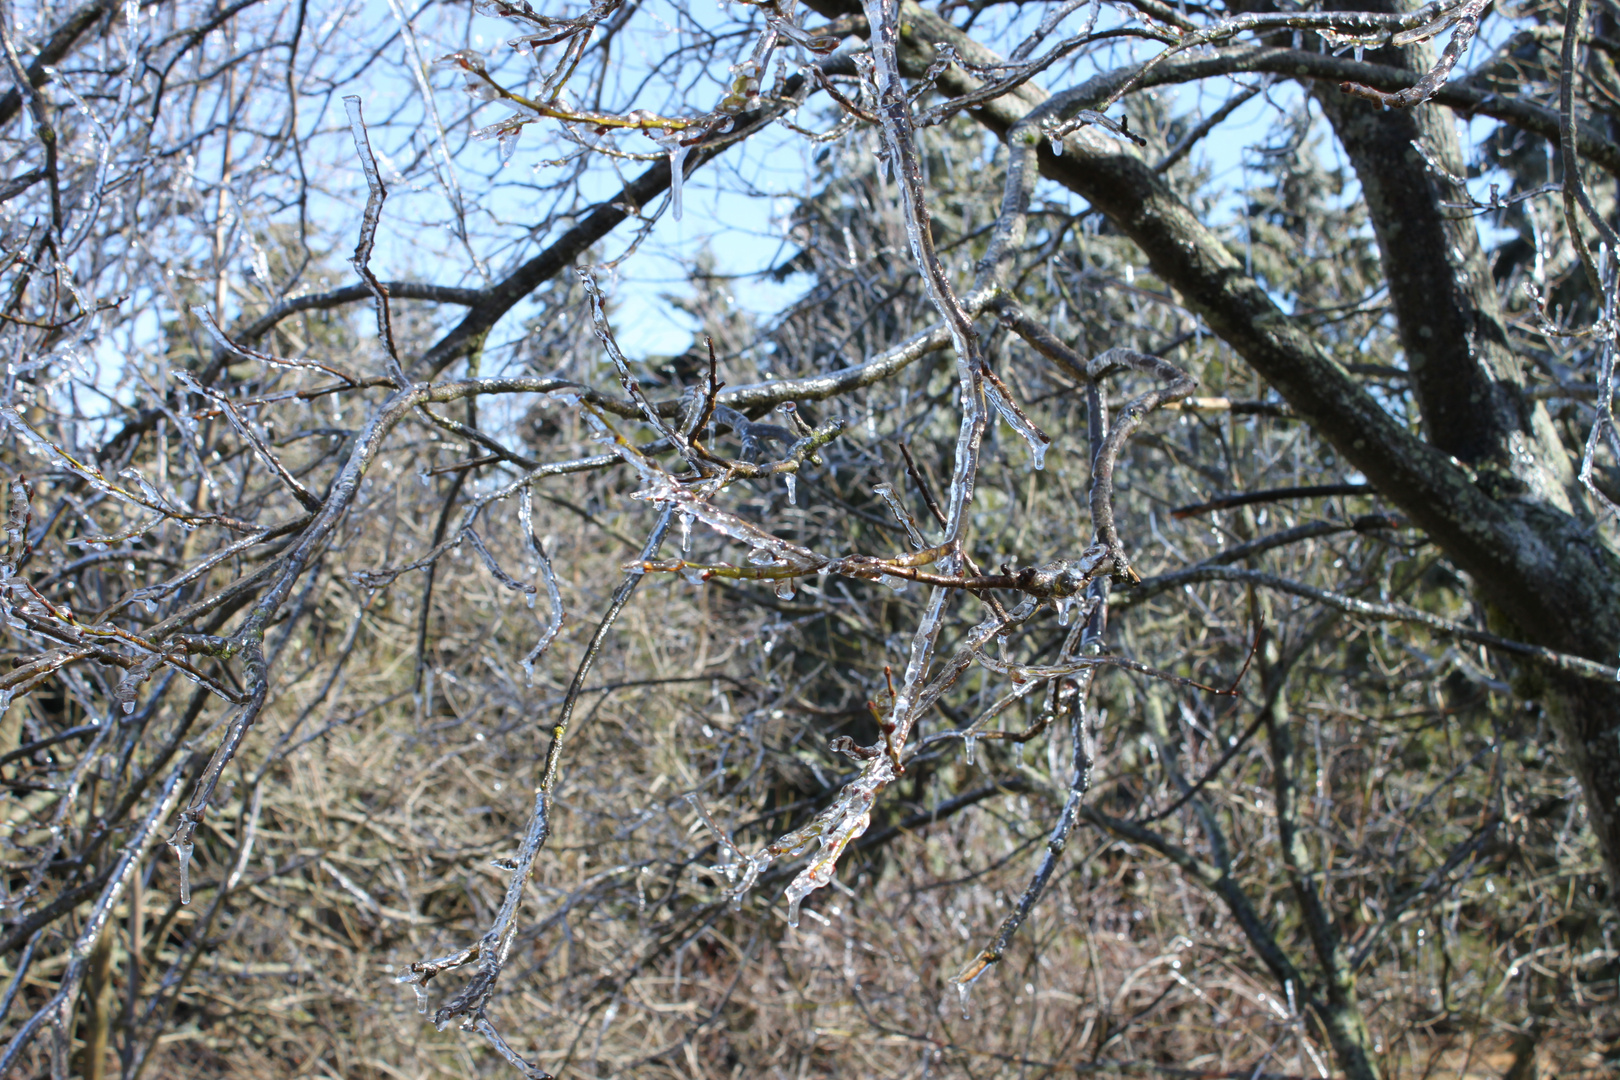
(1250, 498)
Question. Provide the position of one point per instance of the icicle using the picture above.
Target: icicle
(1057, 147)
(677, 173)
(968, 743)
(184, 850)
(792, 489)
(795, 898)
(685, 520)
(963, 989)
(1357, 52)
(421, 998)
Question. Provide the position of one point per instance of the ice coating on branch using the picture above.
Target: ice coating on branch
(740, 870)
(765, 549)
(43, 447)
(842, 822)
(526, 516)
(729, 852)
(554, 620)
(17, 511)
(901, 514)
(1014, 418)
(495, 568)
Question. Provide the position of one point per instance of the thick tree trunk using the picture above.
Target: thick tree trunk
(1469, 386)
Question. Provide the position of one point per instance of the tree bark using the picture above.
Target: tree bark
(1470, 390)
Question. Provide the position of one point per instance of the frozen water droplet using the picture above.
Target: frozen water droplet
(784, 589)
(962, 991)
(528, 672)
(761, 557)
(1057, 147)
(692, 574)
(129, 707)
(1358, 51)
(898, 584)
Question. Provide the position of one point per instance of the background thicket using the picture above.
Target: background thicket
(1343, 812)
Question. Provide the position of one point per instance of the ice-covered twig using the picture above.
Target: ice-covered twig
(556, 615)
(308, 498)
(56, 1010)
(377, 193)
(1177, 384)
(1466, 20)
(632, 388)
(235, 348)
(492, 949)
(1069, 698)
